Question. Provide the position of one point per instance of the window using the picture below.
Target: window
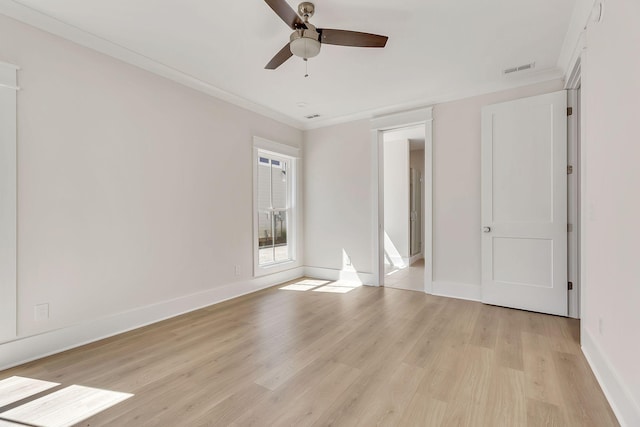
(274, 166)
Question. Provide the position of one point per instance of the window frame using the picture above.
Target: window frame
(291, 154)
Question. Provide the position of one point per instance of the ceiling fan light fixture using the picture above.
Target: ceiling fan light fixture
(305, 47)
(306, 39)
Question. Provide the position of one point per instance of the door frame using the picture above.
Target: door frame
(379, 125)
(576, 181)
(8, 209)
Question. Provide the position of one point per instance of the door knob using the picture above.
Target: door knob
(486, 229)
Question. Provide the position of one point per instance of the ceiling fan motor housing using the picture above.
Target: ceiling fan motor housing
(306, 10)
(305, 43)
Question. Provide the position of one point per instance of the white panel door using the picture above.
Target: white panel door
(524, 204)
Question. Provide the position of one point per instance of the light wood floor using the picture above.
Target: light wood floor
(410, 278)
(369, 357)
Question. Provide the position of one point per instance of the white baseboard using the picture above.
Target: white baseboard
(333, 274)
(34, 347)
(458, 290)
(616, 392)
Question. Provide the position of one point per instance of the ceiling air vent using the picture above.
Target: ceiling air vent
(312, 116)
(519, 68)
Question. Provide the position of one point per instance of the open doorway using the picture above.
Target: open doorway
(402, 236)
(403, 176)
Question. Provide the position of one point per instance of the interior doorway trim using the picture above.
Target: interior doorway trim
(577, 182)
(8, 201)
(379, 125)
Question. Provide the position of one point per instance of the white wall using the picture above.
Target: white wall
(396, 199)
(338, 192)
(611, 183)
(132, 189)
(456, 189)
(338, 196)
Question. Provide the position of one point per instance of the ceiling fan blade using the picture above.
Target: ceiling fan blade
(351, 38)
(286, 13)
(280, 58)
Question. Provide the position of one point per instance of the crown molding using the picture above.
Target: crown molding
(574, 41)
(42, 21)
(506, 83)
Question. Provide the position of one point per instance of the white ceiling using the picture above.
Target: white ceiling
(437, 49)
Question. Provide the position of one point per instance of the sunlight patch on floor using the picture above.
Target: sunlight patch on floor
(338, 287)
(65, 407)
(17, 388)
(304, 285)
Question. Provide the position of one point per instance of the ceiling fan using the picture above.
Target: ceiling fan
(305, 41)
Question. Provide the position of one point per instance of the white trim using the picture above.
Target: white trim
(620, 398)
(533, 78)
(76, 35)
(584, 141)
(423, 116)
(34, 347)
(295, 195)
(8, 202)
(572, 81)
(377, 200)
(276, 147)
(6, 86)
(574, 39)
(466, 291)
(402, 119)
(9, 65)
(334, 275)
(573, 262)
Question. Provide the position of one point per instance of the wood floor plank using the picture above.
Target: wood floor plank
(541, 414)
(506, 402)
(423, 411)
(471, 388)
(485, 331)
(389, 403)
(372, 356)
(295, 395)
(581, 392)
(541, 378)
(509, 341)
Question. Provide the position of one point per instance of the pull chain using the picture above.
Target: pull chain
(306, 67)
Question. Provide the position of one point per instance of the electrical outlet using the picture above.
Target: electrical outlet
(237, 270)
(41, 312)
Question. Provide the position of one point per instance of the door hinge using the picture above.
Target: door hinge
(569, 228)
(569, 169)
(569, 111)
(570, 287)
